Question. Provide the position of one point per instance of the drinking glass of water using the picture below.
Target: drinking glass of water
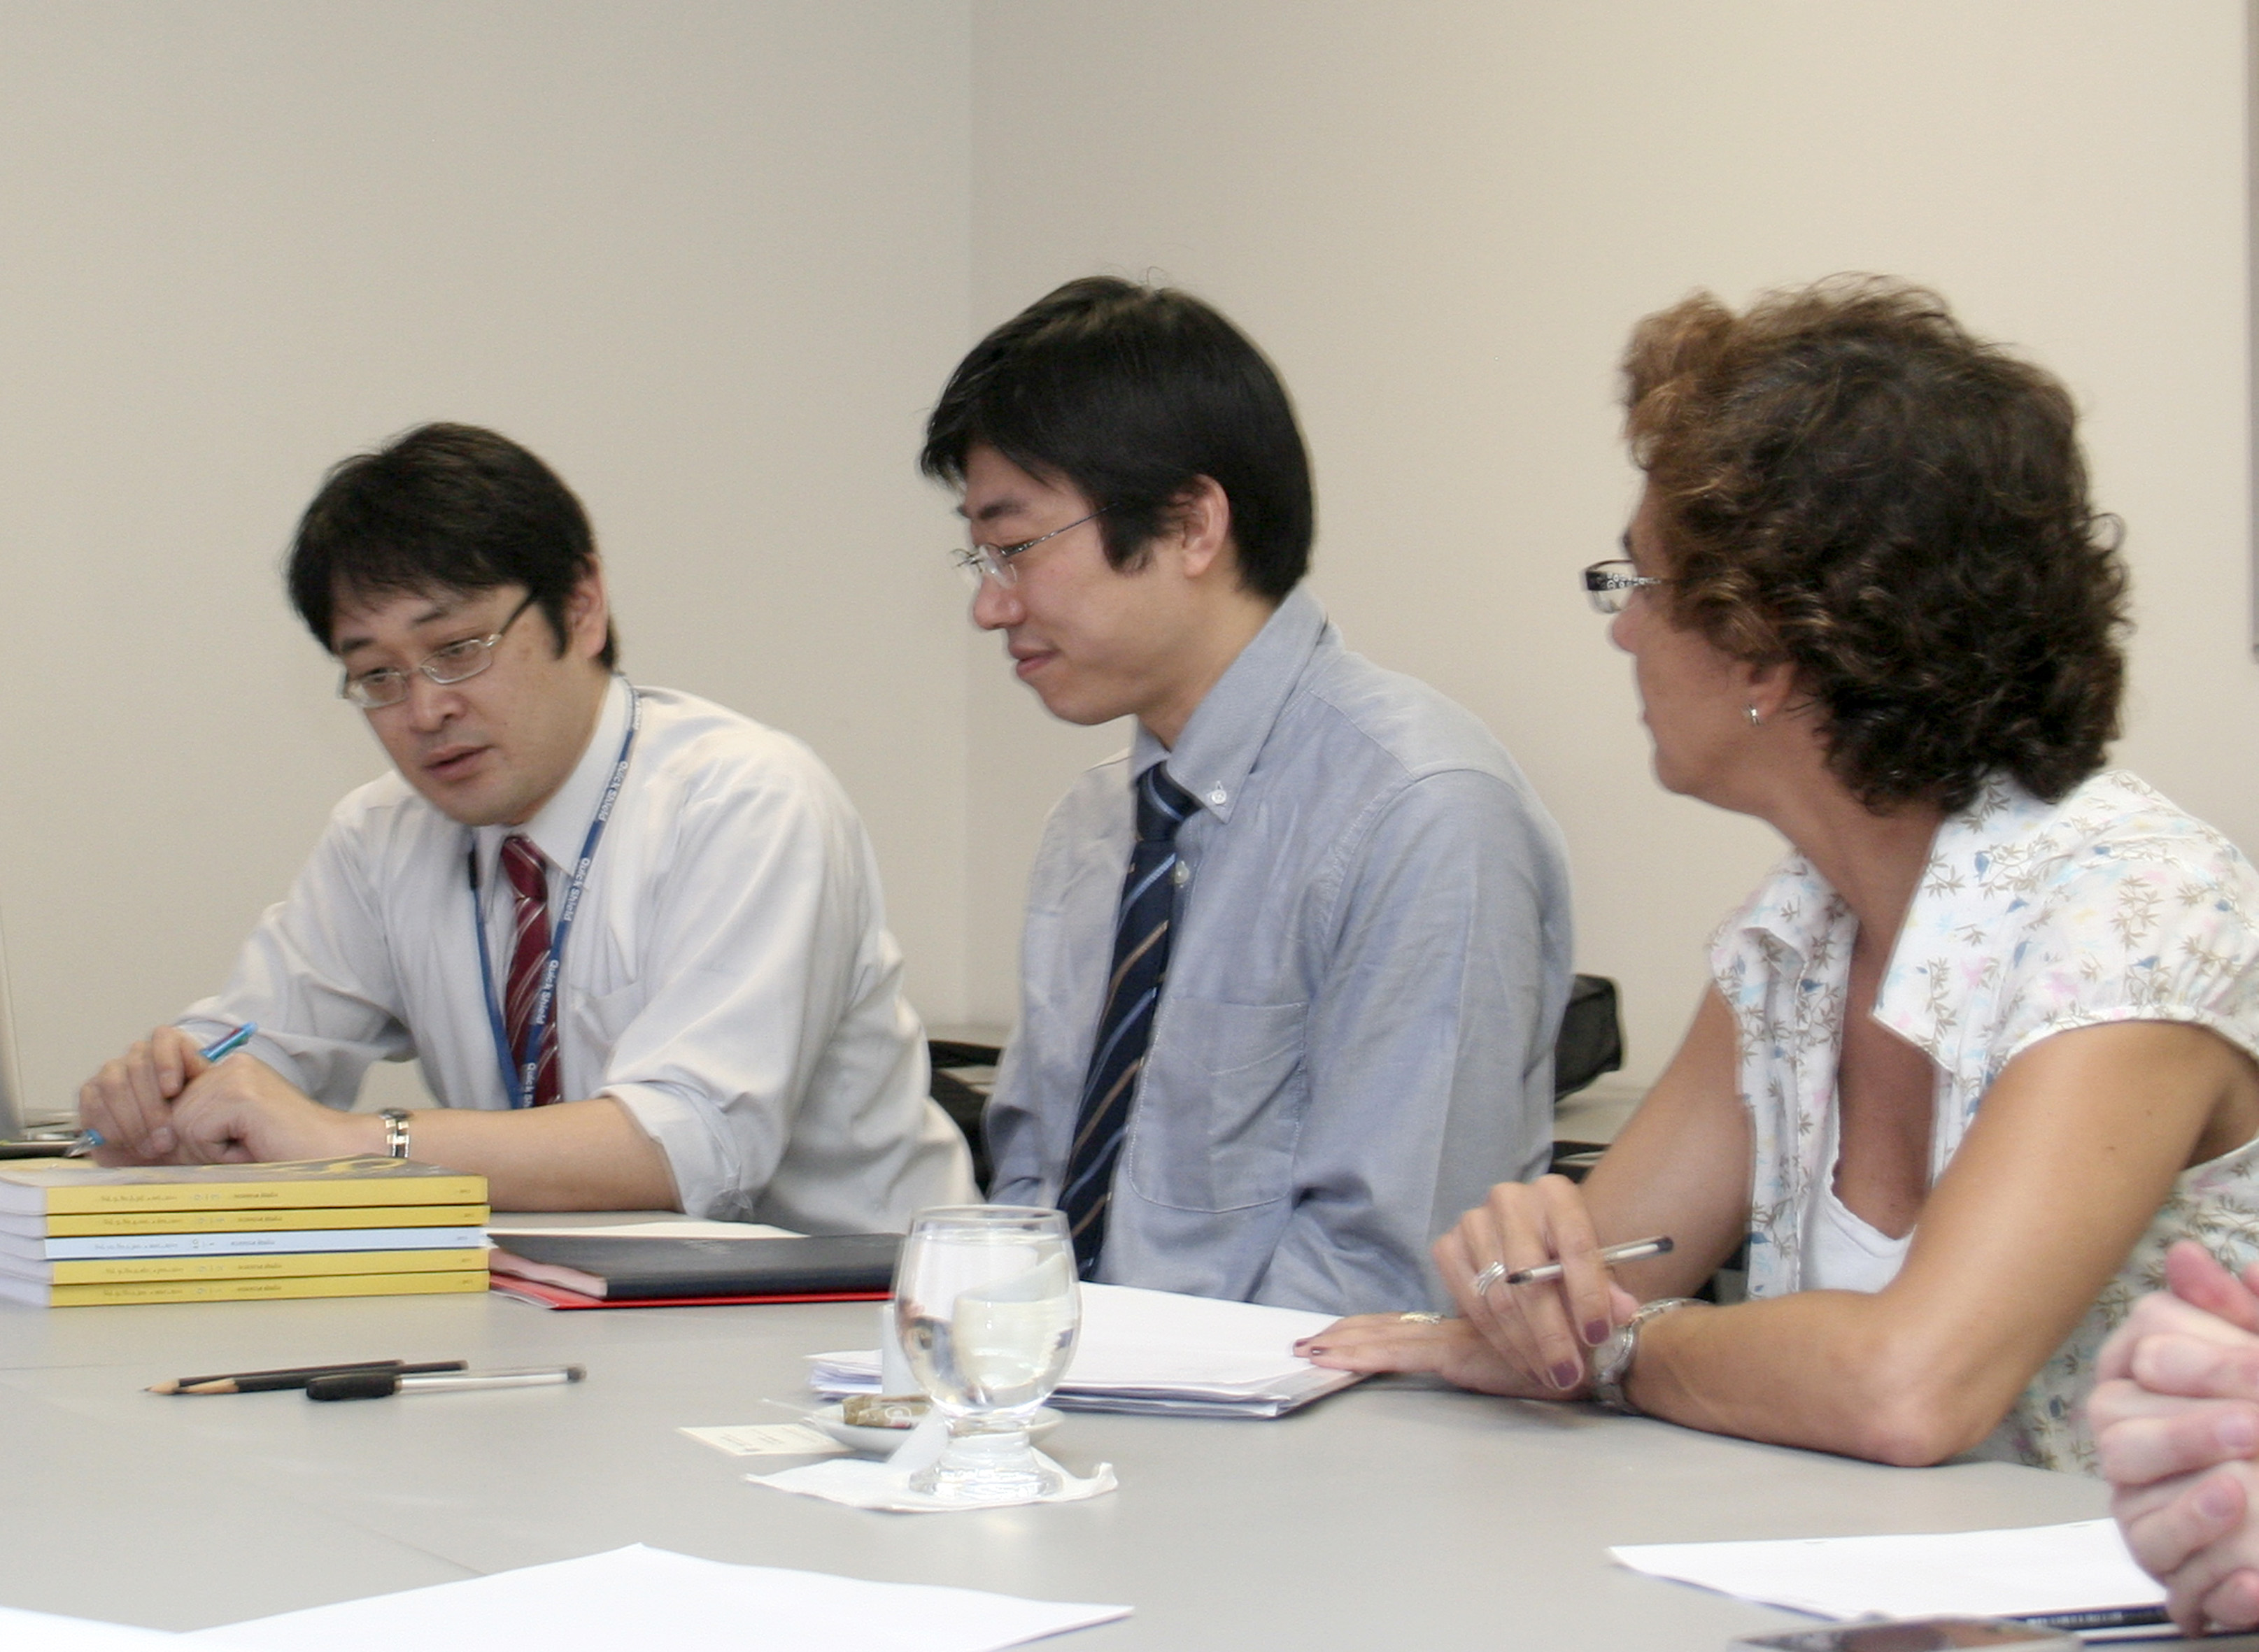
(987, 1308)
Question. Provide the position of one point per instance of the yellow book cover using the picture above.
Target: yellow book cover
(68, 1187)
(242, 1290)
(303, 1264)
(110, 1222)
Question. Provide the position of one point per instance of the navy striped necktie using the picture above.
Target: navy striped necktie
(1133, 992)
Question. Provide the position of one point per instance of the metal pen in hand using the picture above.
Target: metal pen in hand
(226, 1044)
(1631, 1251)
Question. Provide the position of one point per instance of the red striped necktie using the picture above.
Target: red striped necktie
(528, 871)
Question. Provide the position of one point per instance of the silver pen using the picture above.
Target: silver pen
(382, 1385)
(1631, 1251)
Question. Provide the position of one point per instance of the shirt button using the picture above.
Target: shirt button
(1181, 875)
(1218, 796)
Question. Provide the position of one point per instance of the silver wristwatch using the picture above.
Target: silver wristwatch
(395, 1131)
(1612, 1359)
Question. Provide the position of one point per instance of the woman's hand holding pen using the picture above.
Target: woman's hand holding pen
(1529, 1340)
(1545, 1327)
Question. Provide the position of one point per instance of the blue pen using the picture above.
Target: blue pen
(231, 1043)
(226, 1045)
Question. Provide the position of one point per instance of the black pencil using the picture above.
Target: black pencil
(254, 1382)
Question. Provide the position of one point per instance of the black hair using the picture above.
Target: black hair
(445, 507)
(1131, 394)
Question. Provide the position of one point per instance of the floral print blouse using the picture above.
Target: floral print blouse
(2031, 918)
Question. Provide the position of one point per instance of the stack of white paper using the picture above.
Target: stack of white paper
(639, 1597)
(2025, 1571)
(1157, 1354)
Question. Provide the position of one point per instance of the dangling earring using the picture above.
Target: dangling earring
(1755, 720)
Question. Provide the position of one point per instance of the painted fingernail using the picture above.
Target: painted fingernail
(1596, 1332)
(2216, 1499)
(1566, 1373)
(2236, 1432)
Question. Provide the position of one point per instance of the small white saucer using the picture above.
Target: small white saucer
(883, 1443)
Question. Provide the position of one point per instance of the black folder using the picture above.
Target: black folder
(630, 1270)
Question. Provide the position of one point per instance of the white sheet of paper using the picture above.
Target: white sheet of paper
(768, 1440)
(2016, 1572)
(642, 1597)
(39, 1632)
(1134, 1338)
(1136, 1341)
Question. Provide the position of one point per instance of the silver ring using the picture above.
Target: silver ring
(1489, 1276)
(1422, 1317)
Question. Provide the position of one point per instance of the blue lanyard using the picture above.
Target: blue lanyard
(520, 1068)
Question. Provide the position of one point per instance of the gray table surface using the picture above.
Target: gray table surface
(1395, 1515)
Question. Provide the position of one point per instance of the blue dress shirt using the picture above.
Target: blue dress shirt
(1371, 954)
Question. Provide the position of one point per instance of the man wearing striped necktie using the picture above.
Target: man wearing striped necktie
(1292, 969)
(634, 940)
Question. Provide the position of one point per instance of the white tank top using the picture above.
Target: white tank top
(1842, 1252)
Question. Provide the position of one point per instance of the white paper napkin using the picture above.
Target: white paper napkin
(860, 1483)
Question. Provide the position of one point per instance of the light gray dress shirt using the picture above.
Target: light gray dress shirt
(730, 979)
(1371, 955)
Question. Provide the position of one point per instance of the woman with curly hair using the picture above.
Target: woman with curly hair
(1981, 1047)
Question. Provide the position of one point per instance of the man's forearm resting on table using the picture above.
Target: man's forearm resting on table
(574, 1156)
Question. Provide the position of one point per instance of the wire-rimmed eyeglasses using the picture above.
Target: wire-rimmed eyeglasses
(457, 662)
(995, 561)
(1608, 585)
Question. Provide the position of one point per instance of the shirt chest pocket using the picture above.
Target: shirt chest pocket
(1220, 1106)
(592, 1028)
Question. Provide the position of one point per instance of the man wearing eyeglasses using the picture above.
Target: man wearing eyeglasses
(1291, 968)
(635, 940)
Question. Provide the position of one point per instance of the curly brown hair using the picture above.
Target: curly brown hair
(1849, 482)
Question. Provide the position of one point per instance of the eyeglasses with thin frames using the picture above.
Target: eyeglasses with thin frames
(457, 662)
(1608, 585)
(995, 561)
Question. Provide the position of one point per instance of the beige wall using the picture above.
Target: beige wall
(707, 259)
(1441, 218)
(714, 257)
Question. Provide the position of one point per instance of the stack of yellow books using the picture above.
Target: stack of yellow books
(75, 1234)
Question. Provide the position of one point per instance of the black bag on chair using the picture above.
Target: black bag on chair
(1591, 1038)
